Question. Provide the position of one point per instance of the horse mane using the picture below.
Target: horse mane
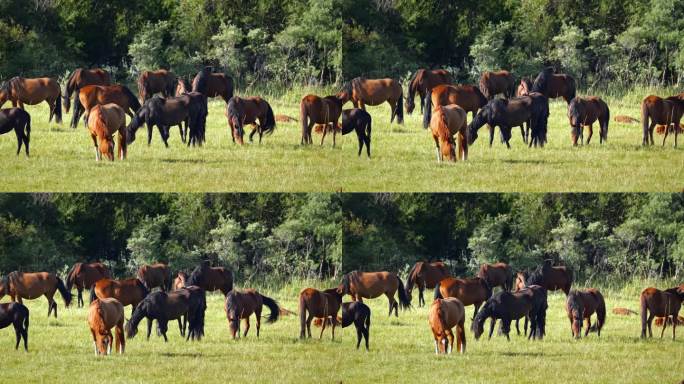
(202, 78)
(5, 86)
(102, 327)
(136, 317)
(481, 317)
(541, 82)
(71, 276)
(141, 286)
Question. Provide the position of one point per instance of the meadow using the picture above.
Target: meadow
(401, 350)
(403, 158)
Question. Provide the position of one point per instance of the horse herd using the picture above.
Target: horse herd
(183, 298)
(444, 105)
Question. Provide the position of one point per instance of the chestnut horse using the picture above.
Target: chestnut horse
(524, 88)
(103, 122)
(358, 120)
(320, 304)
(551, 278)
(655, 302)
(446, 122)
(22, 91)
(444, 315)
(84, 275)
(493, 83)
(79, 79)
(128, 292)
(213, 84)
(103, 315)
(580, 305)
(422, 82)
(369, 285)
(183, 86)
(241, 111)
(470, 291)
(467, 97)
(241, 305)
(362, 92)
(425, 275)
(16, 314)
(160, 81)
(659, 111)
(179, 281)
(554, 85)
(20, 121)
(497, 275)
(211, 278)
(316, 110)
(29, 286)
(155, 275)
(584, 112)
(92, 95)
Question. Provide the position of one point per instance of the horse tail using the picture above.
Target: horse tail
(273, 306)
(411, 278)
(428, 110)
(303, 117)
(601, 312)
(68, 90)
(404, 301)
(26, 323)
(269, 122)
(604, 130)
(66, 295)
(28, 128)
(644, 313)
(302, 315)
(134, 103)
(71, 276)
(400, 108)
(438, 293)
(58, 111)
(644, 119)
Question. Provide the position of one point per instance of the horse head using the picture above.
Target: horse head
(484, 116)
(478, 322)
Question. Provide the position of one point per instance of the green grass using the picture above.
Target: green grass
(403, 159)
(401, 351)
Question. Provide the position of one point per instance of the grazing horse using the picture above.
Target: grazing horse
(446, 122)
(580, 305)
(29, 286)
(538, 294)
(213, 84)
(497, 275)
(211, 278)
(659, 111)
(358, 313)
(467, 97)
(128, 292)
(320, 110)
(179, 281)
(103, 315)
(584, 112)
(20, 121)
(509, 306)
(422, 82)
(103, 122)
(160, 81)
(655, 302)
(425, 275)
(362, 92)
(493, 83)
(241, 111)
(79, 79)
(92, 95)
(22, 91)
(83, 276)
(241, 305)
(369, 285)
(444, 315)
(551, 278)
(155, 275)
(17, 315)
(473, 291)
(359, 121)
(554, 85)
(524, 88)
(320, 304)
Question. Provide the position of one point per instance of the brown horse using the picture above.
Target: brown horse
(425, 275)
(29, 286)
(580, 305)
(211, 278)
(213, 84)
(422, 82)
(659, 111)
(493, 83)
(17, 315)
(241, 305)
(524, 88)
(103, 315)
(241, 111)
(92, 95)
(320, 304)
(446, 122)
(183, 86)
(584, 112)
(179, 281)
(155, 275)
(369, 285)
(79, 79)
(364, 92)
(443, 316)
(19, 121)
(128, 292)
(84, 275)
(520, 281)
(470, 291)
(467, 97)
(497, 275)
(103, 122)
(551, 278)
(655, 302)
(22, 91)
(316, 110)
(554, 85)
(160, 81)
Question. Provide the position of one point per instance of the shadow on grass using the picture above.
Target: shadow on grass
(183, 354)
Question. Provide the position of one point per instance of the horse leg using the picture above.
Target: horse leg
(308, 324)
(360, 138)
(491, 135)
(421, 299)
(18, 332)
(325, 320)
(359, 334)
(325, 131)
(247, 325)
(97, 153)
(491, 327)
(334, 128)
(667, 130)
(51, 304)
(649, 322)
(587, 325)
(20, 139)
(258, 322)
(450, 336)
(650, 130)
(439, 154)
(334, 324)
(149, 328)
(591, 133)
(251, 134)
(180, 326)
(477, 306)
(674, 325)
(80, 298)
(662, 332)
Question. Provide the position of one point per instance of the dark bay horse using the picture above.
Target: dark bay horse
(659, 111)
(448, 123)
(497, 275)
(212, 84)
(369, 285)
(92, 95)
(29, 286)
(127, 292)
(84, 275)
(445, 314)
(155, 275)
(472, 291)
(20, 121)
(103, 122)
(17, 315)
(320, 304)
(103, 315)
(551, 278)
(554, 85)
(359, 314)
(362, 92)
(509, 306)
(584, 112)
(241, 305)
(666, 303)
(425, 275)
(494, 83)
(211, 278)
(79, 79)
(160, 81)
(320, 110)
(467, 97)
(580, 305)
(245, 111)
(422, 83)
(22, 91)
(359, 121)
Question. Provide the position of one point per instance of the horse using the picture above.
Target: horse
(359, 121)
(422, 82)
(667, 112)
(77, 80)
(285, 119)
(538, 295)
(580, 305)
(362, 92)
(183, 86)
(179, 281)
(29, 286)
(655, 302)
(17, 315)
(520, 280)
(84, 275)
(551, 278)
(554, 85)
(22, 91)
(319, 304)
(446, 122)
(468, 97)
(444, 315)
(155, 275)
(92, 95)
(213, 84)
(320, 110)
(103, 122)
(509, 306)
(248, 110)
(20, 121)
(128, 292)
(160, 81)
(524, 87)
(211, 278)
(425, 275)
(369, 285)
(497, 275)
(359, 314)
(473, 291)
(584, 112)
(103, 315)
(241, 305)
(493, 83)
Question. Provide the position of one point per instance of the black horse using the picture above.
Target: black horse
(17, 315)
(358, 313)
(360, 121)
(20, 121)
(509, 306)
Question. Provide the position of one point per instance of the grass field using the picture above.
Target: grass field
(403, 159)
(401, 351)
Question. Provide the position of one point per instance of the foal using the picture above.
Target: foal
(443, 316)
(103, 122)
(103, 315)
